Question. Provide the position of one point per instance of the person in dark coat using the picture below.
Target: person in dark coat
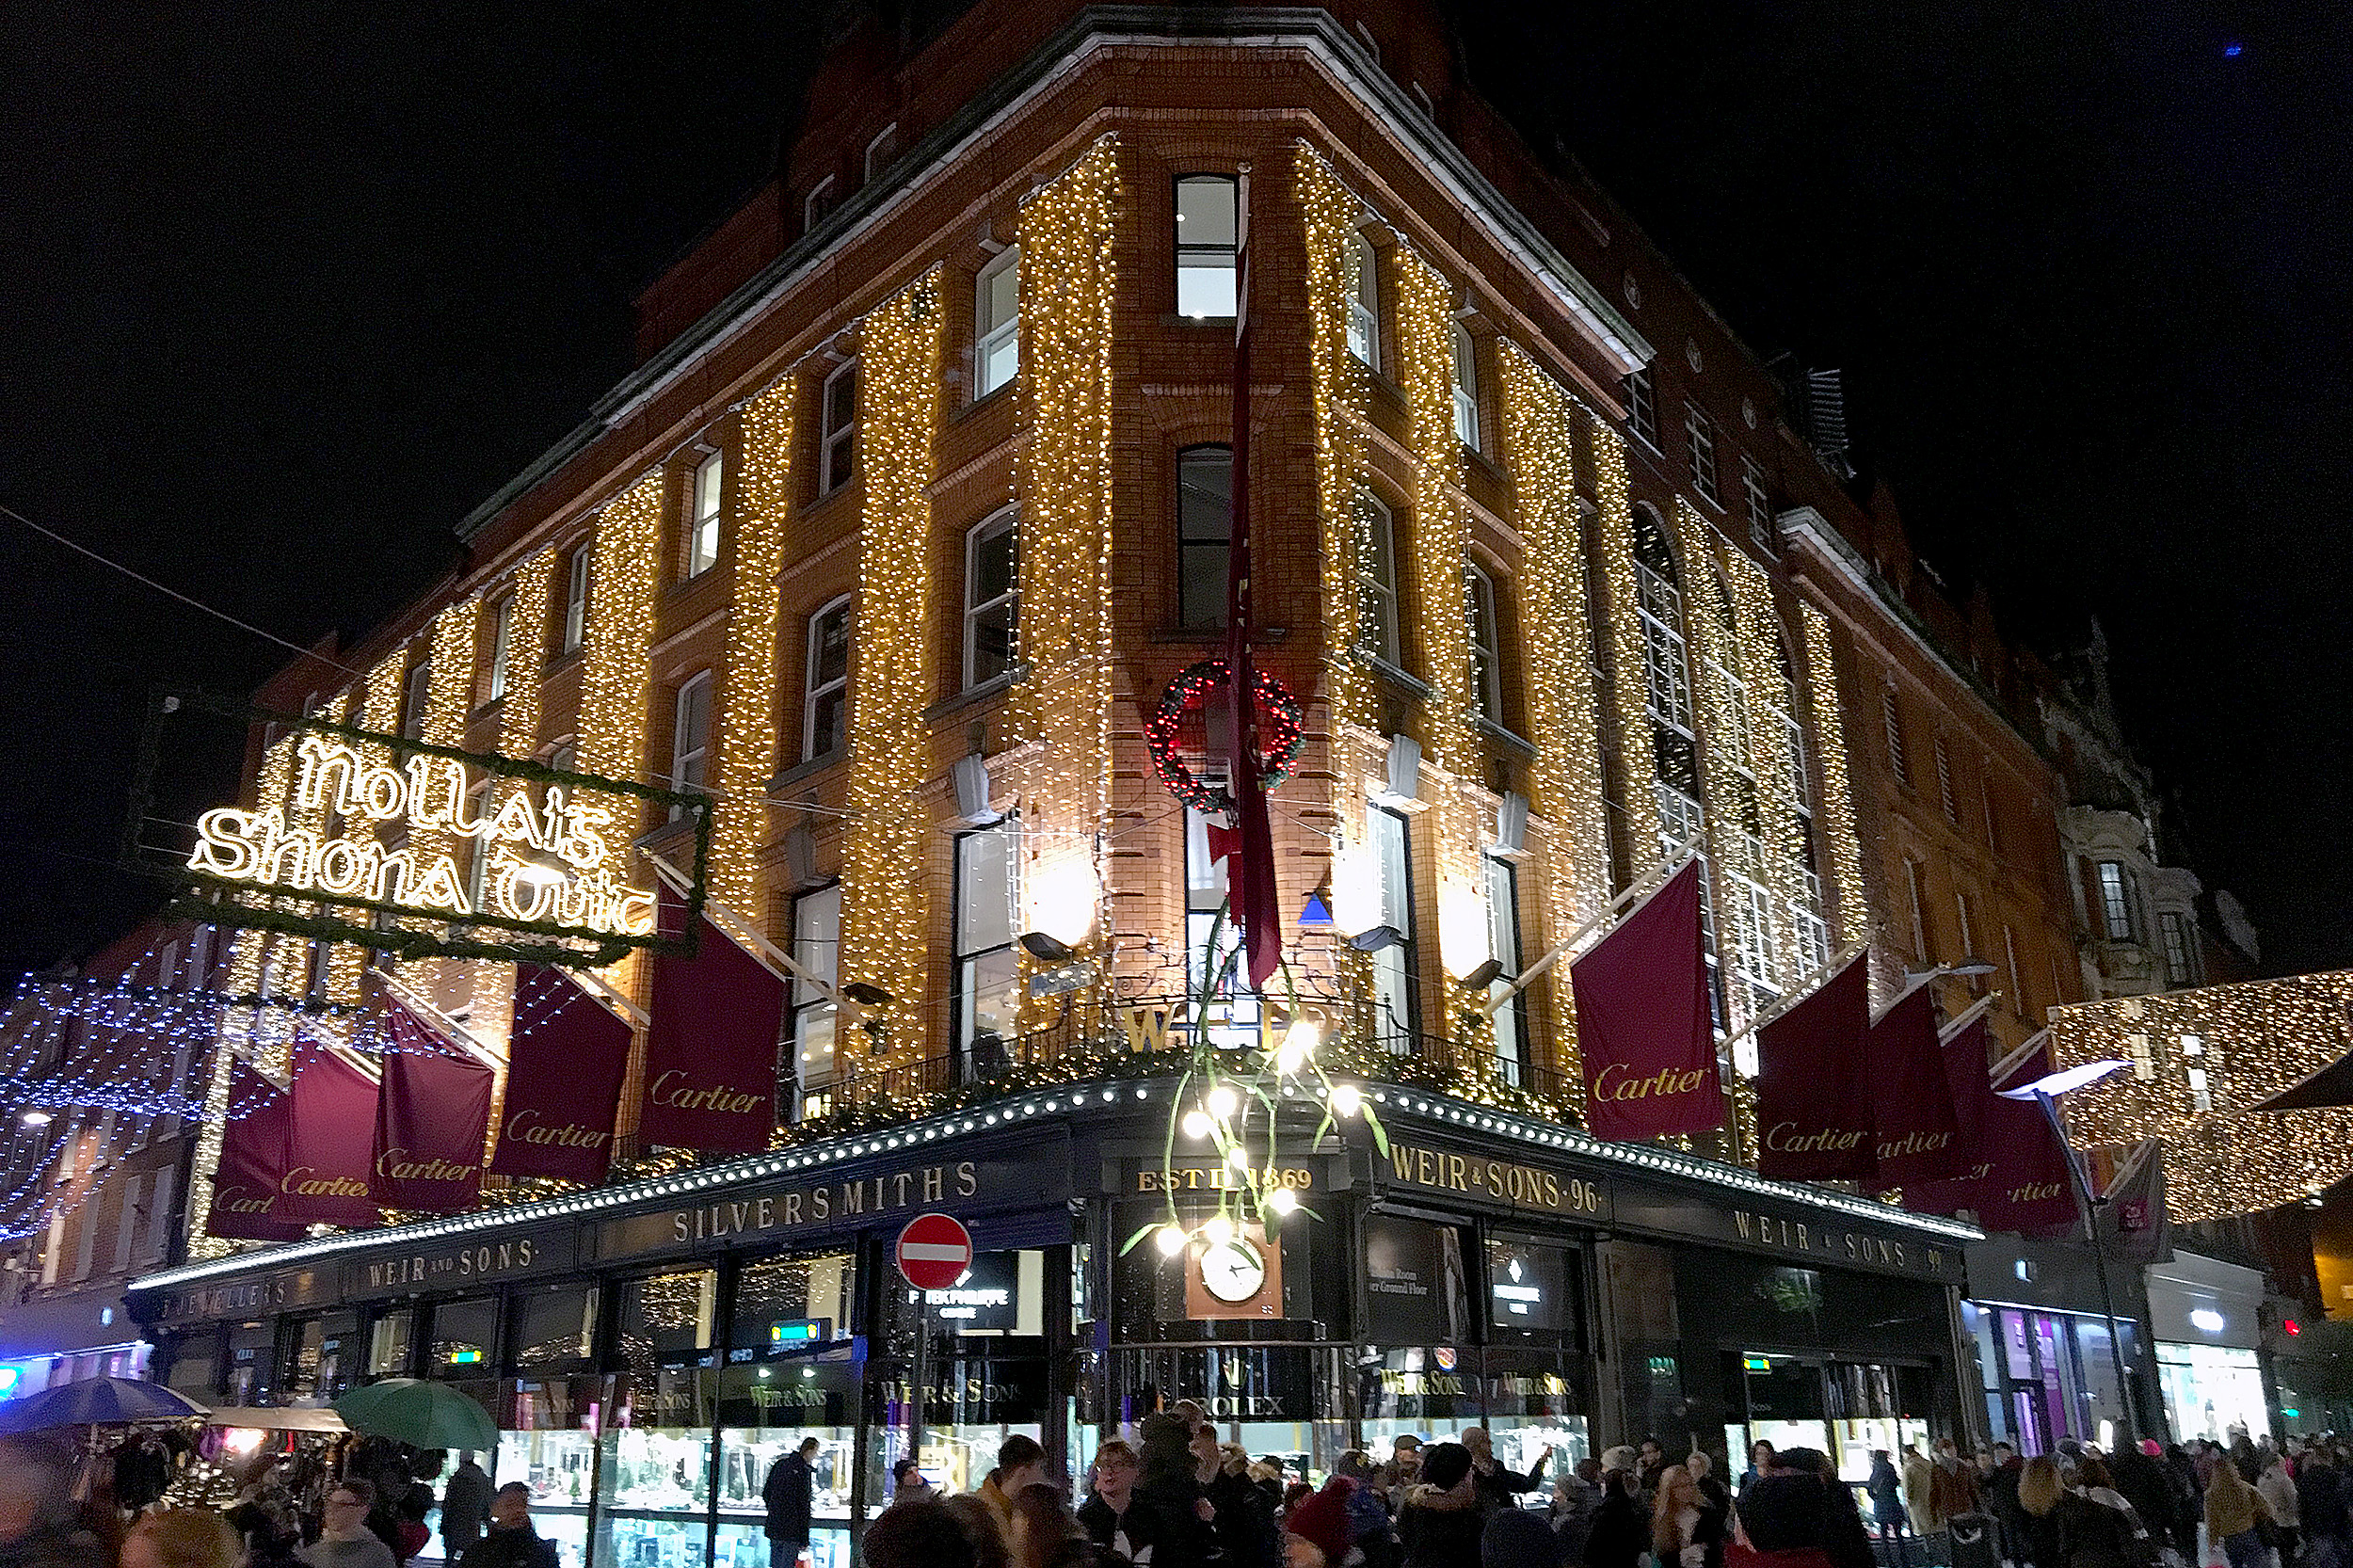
(2142, 1481)
(465, 1507)
(1168, 1500)
(512, 1543)
(2001, 1500)
(2189, 1500)
(1499, 1486)
(1887, 1496)
(1621, 1530)
(791, 1496)
(1440, 1524)
(2320, 1503)
(1243, 1515)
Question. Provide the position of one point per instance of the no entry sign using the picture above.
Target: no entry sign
(934, 1251)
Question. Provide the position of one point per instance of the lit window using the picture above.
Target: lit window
(1760, 503)
(1659, 601)
(991, 590)
(1486, 648)
(1466, 387)
(879, 151)
(2174, 930)
(997, 322)
(816, 947)
(1641, 407)
(1207, 233)
(1205, 523)
(2116, 905)
(838, 430)
(702, 519)
(1364, 301)
(1376, 580)
(1503, 946)
(1892, 726)
(825, 699)
(988, 972)
(413, 693)
(1395, 1018)
(1699, 432)
(502, 617)
(1232, 1017)
(817, 203)
(690, 736)
(576, 598)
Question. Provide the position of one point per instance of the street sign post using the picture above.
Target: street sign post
(934, 1252)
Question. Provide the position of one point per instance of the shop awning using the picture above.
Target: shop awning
(255, 1418)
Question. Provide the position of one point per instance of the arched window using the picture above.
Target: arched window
(1205, 524)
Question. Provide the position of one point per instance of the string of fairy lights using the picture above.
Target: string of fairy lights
(747, 716)
(1068, 284)
(883, 900)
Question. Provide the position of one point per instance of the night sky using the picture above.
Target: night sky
(285, 290)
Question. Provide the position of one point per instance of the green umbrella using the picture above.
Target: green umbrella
(420, 1414)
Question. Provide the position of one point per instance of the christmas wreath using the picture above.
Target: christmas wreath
(1282, 729)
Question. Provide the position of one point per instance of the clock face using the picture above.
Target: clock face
(1232, 1271)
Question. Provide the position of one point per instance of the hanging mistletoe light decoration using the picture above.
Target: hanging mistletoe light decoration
(1282, 731)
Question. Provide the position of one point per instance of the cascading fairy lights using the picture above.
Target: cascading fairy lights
(883, 897)
(1630, 718)
(1842, 850)
(747, 714)
(617, 678)
(1761, 652)
(518, 736)
(1342, 384)
(379, 712)
(1440, 540)
(1069, 284)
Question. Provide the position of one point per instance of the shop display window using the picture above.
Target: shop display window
(785, 1306)
(554, 1329)
(252, 1356)
(193, 1370)
(1426, 1391)
(654, 1484)
(766, 1412)
(549, 1444)
(388, 1340)
(2212, 1389)
(465, 1338)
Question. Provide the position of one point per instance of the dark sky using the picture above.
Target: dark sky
(285, 290)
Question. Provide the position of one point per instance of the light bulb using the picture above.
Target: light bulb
(1347, 1100)
(1306, 1033)
(1170, 1238)
(1238, 1158)
(1282, 1200)
(1290, 1057)
(1219, 1230)
(1197, 1124)
(1222, 1102)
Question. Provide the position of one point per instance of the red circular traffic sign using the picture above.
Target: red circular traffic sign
(934, 1251)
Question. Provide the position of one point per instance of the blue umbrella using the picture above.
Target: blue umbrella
(96, 1402)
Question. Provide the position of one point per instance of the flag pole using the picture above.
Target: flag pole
(457, 1033)
(1951, 1031)
(1798, 993)
(1637, 891)
(778, 962)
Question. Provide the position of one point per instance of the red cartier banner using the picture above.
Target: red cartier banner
(1813, 1090)
(1918, 1133)
(1643, 1025)
(2017, 1179)
(330, 1142)
(431, 1120)
(566, 1061)
(711, 1052)
(252, 1162)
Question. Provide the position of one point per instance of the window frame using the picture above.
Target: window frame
(1641, 405)
(1382, 585)
(1005, 521)
(807, 1004)
(1466, 425)
(1892, 726)
(887, 139)
(813, 690)
(1486, 656)
(577, 588)
(1944, 796)
(817, 204)
(1364, 302)
(965, 962)
(1699, 435)
(701, 540)
(1398, 963)
(1182, 250)
(1211, 615)
(988, 337)
(2173, 934)
(699, 685)
(2117, 923)
(1759, 502)
(1517, 1053)
(416, 698)
(837, 446)
(502, 636)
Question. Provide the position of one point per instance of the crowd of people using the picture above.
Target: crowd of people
(1177, 1498)
(361, 1504)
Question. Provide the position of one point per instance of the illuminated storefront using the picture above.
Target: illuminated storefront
(650, 1352)
(2205, 1317)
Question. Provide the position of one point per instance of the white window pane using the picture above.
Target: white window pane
(1205, 287)
(984, 876)
(1205, 210)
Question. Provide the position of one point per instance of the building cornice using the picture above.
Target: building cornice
(1314, 32)
(1814, 538)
